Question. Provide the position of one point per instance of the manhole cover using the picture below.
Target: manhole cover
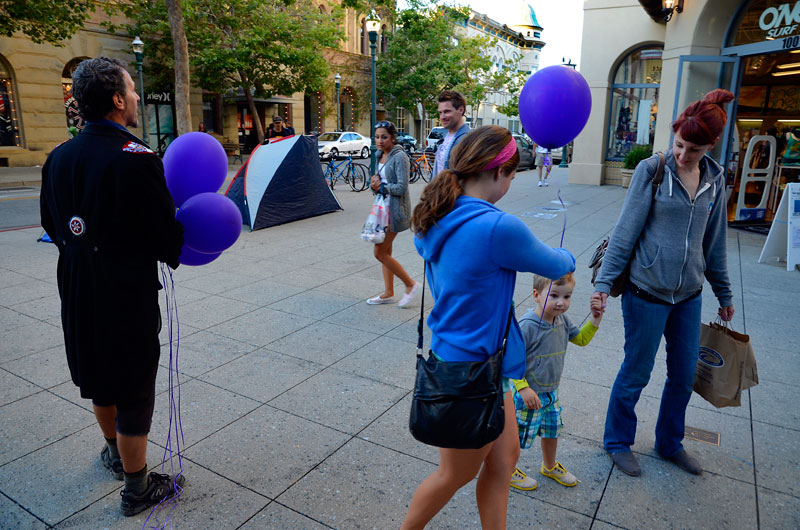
(701, 435)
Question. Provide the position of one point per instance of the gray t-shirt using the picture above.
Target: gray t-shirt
(444, 150)
(545, 346)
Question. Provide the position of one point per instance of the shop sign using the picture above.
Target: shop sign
(780, 21)
(156, 98)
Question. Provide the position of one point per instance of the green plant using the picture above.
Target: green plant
(636, 155)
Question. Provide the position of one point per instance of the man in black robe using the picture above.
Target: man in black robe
(105, 204)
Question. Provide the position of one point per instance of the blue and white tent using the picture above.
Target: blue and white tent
(282, 182)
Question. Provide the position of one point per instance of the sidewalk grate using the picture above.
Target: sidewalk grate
(702, 435)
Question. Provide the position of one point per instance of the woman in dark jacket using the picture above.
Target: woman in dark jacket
(392, 179)
(673, 242)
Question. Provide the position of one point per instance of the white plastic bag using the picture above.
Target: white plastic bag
(377, 221)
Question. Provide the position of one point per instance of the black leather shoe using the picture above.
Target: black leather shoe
(626, 463)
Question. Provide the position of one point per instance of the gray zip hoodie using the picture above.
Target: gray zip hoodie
(676, 242)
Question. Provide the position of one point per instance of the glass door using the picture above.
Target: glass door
(700, 74)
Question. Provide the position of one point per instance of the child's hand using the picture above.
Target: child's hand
(530, 398)
(597, 308)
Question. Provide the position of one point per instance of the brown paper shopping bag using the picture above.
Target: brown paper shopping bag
(726, 365)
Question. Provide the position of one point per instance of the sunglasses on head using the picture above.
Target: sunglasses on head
(382, 124)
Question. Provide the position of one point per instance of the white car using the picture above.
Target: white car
(335, 144)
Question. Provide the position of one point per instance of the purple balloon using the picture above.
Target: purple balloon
(193, 258)
(211, 222)
(554, 106)
(194, 163)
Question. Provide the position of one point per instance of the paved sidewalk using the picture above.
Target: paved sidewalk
(295, 393)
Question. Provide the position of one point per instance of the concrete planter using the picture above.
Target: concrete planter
(627, 174)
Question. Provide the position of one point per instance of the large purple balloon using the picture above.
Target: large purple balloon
(211, 222)
(194, 163)
(554, 106)
(194, 258)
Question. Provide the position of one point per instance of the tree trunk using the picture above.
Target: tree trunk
(181, 49)
(251, 104)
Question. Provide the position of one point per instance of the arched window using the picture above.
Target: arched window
(9, 121)
(382, 48)
(74, 119)
(347, 105)
(634, 101)
(364, 37)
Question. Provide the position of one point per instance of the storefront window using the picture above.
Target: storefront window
(766, 20)
(9, 125)
(634, 102)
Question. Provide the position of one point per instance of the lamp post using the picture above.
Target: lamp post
(373, 24)
(338, 79)
(565, 149)
(138, 52)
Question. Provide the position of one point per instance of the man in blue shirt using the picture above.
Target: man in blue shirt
(452, 107)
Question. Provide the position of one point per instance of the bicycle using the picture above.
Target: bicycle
(421, 167)
(354, 174)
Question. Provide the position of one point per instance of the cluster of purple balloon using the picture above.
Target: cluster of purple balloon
(195, 166)
(554, 106)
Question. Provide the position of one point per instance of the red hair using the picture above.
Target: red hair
(702, 121)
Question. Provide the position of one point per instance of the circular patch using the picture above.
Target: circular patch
(77, 226)
(711, 357)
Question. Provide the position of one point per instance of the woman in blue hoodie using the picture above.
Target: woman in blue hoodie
(473, 251)
(673, 240)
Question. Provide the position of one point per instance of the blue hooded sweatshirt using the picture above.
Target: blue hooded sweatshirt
(472, 255)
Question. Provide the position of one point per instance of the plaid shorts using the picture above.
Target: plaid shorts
(545, 422)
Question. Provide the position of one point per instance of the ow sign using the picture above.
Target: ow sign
(772, 18)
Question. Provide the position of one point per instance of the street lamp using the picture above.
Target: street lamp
(338, 79)
(373, 24)
(138, 52)
(565, 149)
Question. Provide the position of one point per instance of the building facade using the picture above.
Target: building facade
(519, 44)
(37, 109)
(644, 77)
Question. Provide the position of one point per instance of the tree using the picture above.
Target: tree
(426, 55)
(181, 53)
(50, 21)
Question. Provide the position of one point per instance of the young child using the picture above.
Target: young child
(547, 330)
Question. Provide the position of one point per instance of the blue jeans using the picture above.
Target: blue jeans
(645, 323)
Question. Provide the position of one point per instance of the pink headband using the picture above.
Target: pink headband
(503, 156)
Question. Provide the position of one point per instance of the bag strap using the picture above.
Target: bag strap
(659, 175)
(422, 313)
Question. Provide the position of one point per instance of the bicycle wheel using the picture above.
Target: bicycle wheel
(363, 176)
(354, 178)
(330, 174)
(414, 173)
(425, 169)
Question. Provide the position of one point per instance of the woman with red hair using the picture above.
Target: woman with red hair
(672, 240)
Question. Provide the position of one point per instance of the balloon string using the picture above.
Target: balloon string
(174, 395)
(561, 244)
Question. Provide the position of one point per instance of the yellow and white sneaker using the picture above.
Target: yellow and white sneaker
(523, 482)
(560, 475)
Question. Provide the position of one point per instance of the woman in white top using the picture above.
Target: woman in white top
(392, 180)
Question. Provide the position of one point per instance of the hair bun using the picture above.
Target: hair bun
(719, 97)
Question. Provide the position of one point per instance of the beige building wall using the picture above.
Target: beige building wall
(612, 29)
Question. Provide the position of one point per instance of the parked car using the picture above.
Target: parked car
(335, 144)
(525, 149)
(435, 137)
(408, 142)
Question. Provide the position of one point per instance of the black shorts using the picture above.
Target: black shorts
(134, 414)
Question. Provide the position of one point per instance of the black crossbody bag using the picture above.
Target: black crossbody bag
(457, 405)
